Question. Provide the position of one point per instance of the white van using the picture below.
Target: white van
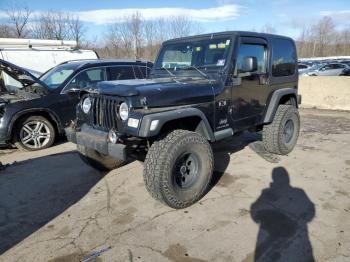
(37, 56)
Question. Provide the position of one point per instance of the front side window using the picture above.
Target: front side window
(252, 50)
(328, 67)
(207, 53)
(87, 78)
(283, 57)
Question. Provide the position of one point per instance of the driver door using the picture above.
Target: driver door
(250, 91)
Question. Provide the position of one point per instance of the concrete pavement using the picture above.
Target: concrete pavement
(53, 207)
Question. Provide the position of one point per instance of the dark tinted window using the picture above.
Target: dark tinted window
(283, 57)
(141, 72)
(138, 72)
(302, 66)
(254, 50)
(120, 73)
(337, 66)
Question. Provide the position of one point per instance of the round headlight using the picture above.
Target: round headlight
(86, 106)
(124, 111)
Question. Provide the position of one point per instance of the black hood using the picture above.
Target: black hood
(161, 91)
(20, 74)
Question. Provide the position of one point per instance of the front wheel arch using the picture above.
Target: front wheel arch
(198, 123)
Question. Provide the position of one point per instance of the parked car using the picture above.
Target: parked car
(303, 67)
(39, 55)
(203, 89)
(31, 117)
(345, 72)
(331, 69)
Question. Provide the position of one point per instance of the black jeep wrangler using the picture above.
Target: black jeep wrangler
(202, 89)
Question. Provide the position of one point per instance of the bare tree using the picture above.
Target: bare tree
(77, 30)
(323, 30)
(136, 37)
(58, 25)
(323, 39)
(179, 26)
(269, 29)
(18, 19)
(135, 25)
(5, 31)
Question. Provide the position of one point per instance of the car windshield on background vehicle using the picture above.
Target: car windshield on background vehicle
(193, 55)
(57, 75)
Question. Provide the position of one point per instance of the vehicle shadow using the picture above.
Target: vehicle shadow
(35, 191)
(223, 149)
(282, 212)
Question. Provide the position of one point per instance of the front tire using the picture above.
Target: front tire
(282, 134)
(34, 133)
(178, 168)
(98, 161)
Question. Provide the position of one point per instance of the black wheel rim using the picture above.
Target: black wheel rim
(288, 131)
(186, 170)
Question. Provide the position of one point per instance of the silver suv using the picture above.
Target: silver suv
(331, 69)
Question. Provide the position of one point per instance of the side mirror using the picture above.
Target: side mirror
(73, 91)
(250, 64)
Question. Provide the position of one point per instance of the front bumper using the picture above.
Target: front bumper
(97, 140)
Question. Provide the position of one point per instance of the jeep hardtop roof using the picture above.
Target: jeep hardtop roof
(227, 33)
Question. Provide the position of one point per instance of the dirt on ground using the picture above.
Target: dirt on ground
(260, 207)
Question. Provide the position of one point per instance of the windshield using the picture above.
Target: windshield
(57, 75)
(204, 54)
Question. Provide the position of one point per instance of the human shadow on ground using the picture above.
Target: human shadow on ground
(35, 191)
(283, 212)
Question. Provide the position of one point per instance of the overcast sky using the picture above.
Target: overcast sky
(213, 15)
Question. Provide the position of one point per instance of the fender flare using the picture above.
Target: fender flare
(274, 102)
(164, 117)
(33, 111)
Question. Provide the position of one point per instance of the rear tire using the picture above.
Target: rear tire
(282, 134)
(178, 168)
(34, 133)
(98, 161)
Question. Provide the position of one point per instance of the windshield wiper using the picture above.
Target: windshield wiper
(166, 69)
(198, 70)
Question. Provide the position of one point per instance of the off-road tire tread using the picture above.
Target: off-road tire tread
(272, 132)
(158, 159)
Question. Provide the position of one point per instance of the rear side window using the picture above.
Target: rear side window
(120, 73)
(141, 71)
(138, 73)
(283, 57)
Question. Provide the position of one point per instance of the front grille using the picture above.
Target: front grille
(104, 110)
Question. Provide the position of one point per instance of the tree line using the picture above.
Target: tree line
(323, 39)
(135, 37)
